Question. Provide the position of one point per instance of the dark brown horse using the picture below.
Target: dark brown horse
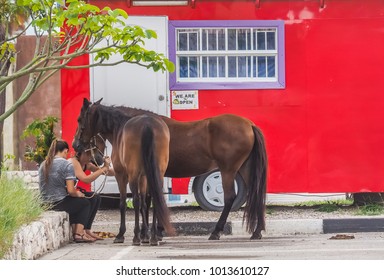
(228, 142)
(140, 157)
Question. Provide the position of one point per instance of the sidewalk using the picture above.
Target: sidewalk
(273, 227)
(287, 224)
(34, 240)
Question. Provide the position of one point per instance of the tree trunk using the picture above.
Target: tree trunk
(2, 110)
(2, 97)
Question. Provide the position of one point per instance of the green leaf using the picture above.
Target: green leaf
(150, 34)
(169, 65)
(122, 13)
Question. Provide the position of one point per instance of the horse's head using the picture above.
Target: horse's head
(95, 152)
(87, 126)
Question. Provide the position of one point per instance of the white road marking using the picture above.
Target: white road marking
(121, 253)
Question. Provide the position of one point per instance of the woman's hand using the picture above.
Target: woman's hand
(80, 194)
(107, 161)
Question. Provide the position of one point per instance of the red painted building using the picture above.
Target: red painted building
(307, 72)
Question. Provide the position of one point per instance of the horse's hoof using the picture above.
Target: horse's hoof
(119, 240)
(256, 236)
(214, 237)
(160, 238)
(136, 242)
(154, 243)
(144, 238)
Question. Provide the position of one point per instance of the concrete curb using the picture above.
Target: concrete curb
(48, 233)
(304, 226)
(353, 225)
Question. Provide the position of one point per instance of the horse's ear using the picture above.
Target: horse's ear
(86, 103)
(99, 101)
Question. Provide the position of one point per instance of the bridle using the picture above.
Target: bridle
(93, 146)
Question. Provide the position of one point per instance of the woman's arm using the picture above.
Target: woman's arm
(80, 174)
(91, 167)
(107, 163)
(71, 189)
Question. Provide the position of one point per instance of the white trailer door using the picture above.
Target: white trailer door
(132, 85)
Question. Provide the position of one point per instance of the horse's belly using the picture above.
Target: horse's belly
(188, 168)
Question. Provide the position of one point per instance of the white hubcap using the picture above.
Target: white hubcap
(213, 189)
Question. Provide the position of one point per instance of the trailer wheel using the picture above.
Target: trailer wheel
(208, 191)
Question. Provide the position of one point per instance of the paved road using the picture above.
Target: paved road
(364, 246)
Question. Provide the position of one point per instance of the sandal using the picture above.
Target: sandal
(90, 237)
(81, 239)
(95, 236)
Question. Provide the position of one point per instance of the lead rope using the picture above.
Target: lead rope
(101, 187)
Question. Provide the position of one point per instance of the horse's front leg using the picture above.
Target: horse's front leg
(122, 182)
(229, 198)
(123, 208)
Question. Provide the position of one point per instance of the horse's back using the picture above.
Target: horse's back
(200, 146)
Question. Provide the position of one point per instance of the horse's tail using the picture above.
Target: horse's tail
(154, 181)
(254, 213)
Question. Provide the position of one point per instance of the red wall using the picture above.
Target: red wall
(324, 132)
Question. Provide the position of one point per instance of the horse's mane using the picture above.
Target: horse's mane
(133, 111)
(111, 118)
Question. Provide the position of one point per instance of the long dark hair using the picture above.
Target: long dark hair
(56, 147)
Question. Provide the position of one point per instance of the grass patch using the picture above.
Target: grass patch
(18, 206)
(194, 204)
(129, 202)
(328, 208)
(269, 211)
(326, 203)
(371, 210)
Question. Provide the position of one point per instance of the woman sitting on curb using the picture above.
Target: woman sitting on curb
(81, 162)
(57, 187)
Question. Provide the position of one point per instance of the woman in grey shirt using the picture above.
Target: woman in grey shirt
(57, 187)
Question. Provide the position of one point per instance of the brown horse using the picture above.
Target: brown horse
(228, 142)
(140, 157)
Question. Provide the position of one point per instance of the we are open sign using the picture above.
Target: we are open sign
(185, 100)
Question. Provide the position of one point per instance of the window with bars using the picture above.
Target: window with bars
(227, 54)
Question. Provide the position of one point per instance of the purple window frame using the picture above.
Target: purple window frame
(279, 24)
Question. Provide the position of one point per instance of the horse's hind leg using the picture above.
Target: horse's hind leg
(154, 238)
(144, 236)
(257, 233)
(159, 231)
(136, 205)
(229, 198)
